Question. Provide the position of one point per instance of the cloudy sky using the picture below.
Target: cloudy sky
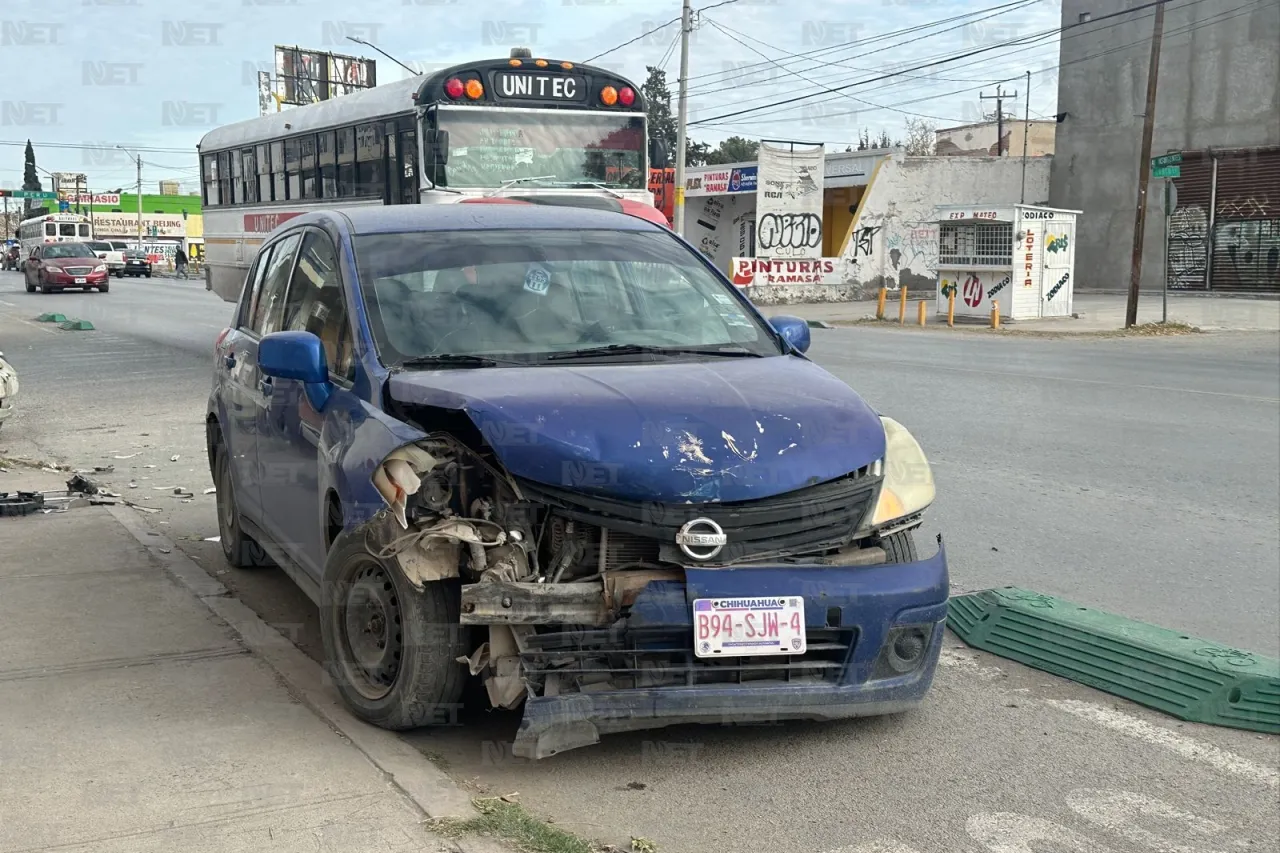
(83, 76)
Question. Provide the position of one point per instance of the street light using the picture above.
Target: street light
(139, 159)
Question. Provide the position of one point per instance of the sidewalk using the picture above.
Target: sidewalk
(1099, 312)
(135, 720)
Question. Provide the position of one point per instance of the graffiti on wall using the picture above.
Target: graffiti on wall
(864, 241)
(1246, 254)
(1188, 249)
(913, 253)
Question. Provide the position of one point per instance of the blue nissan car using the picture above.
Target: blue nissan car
(554, 452)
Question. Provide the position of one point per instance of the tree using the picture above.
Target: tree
(735, 149)
(696, 153)
(922, 136)
(885, 141)
(657, 95)
(30, 178)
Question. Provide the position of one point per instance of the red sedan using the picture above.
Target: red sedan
(58, 266)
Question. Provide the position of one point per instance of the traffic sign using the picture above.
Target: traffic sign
(27, 194)
(1166, 160)
(1166, 172)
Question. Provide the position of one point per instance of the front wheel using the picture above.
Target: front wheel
(103, 288)
(391, 650)
(899, 548)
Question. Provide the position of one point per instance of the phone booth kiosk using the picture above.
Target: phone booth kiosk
(1021, 256)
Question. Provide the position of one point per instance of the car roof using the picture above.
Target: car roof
(483, 217)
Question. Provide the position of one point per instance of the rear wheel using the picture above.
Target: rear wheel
(240, 549)
(391, 649)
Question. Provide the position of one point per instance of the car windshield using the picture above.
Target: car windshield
(68, 250)
(537, 295)
(99, 247)
(488, 148)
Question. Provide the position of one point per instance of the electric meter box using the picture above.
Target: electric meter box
(1019, 256)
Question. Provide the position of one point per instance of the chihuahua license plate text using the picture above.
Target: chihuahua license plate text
(742, 627)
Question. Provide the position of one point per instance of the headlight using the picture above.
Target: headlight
(908, 480)
(100, 268)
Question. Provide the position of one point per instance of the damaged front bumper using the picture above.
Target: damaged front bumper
(874, 634)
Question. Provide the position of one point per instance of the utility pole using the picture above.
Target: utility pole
(999, 97)
(1144, 169)
(139, 194)
(1026, 133)
(682, 114)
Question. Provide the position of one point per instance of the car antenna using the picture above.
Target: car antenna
(384, 53)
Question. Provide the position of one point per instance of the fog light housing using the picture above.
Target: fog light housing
(904, 651)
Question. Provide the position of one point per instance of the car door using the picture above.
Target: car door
(32, 269)
(290, 430)
(245, 389)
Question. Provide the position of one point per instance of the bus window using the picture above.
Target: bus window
(347, 161)
(408, 160)
(370, 175)
(224, 177)
(308, 148)
(211, 196)
(84, 231)
(291, 154)
(67, 229)
(50, 230)
(277, 171)
(326, 156)
(264, 173)
(237, 178)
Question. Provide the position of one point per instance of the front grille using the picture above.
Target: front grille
(77, 270)
(806, 521)
(638, 658)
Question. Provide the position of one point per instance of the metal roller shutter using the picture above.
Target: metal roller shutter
(1246, 227)
(1188, 249)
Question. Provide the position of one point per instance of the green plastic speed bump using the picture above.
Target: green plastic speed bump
(76, 326)
(1187, 677)
(52, 318)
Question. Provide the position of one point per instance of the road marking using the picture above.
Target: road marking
(9, 304)
(1005, 832)
(1122, 813)
(1045, 377)
(1187, 747)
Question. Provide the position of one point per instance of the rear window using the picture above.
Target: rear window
(99, 247)
(134, 253)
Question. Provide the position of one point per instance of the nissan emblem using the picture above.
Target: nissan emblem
(701, 539)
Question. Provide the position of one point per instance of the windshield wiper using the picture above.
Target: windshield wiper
(649, 349)
(506, 185)
(447, 359)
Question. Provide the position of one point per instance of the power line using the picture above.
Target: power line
(632, 41)
(97, 147)
(728, 33)
(1212, 21)
(808, 55)
(973, 52)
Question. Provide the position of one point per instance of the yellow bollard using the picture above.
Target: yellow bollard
(884, 292)
(951, 309)
(995, 314)
(922, 304)
(902, 307)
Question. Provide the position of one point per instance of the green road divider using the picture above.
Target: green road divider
(76, 326)
(52, 318)
(1186, 677)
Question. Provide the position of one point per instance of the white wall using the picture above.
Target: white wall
(895, 239)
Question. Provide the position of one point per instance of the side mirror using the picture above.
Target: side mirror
(794, 331)
(300, 356)
(659, 157)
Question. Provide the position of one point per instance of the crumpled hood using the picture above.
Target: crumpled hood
(726, 430)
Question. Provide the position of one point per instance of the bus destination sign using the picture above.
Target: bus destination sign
(539, 87)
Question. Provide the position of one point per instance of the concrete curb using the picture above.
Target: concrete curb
(431, 790)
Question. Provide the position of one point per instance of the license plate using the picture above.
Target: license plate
(743, 627)
(81, 280)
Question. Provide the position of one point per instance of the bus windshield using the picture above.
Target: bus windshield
(489, 146)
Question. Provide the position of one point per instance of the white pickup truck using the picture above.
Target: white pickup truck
(110, 252)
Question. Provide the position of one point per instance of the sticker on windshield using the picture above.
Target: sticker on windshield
(722, 298)
(537, 280)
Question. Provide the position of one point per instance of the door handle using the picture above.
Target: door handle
(265, 386)
(229, 360)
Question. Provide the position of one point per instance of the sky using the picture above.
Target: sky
(81, 77)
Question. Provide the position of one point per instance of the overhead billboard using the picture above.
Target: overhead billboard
(308, 76)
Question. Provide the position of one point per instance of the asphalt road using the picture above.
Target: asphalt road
(1139, 476)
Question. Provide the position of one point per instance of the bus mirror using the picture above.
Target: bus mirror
(658, 157)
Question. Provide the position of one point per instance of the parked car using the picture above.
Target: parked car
(556, 451)
(136, 263)
(60, 266)
(109, 255)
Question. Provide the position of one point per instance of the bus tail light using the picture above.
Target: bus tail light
(609, 96)
(453, 88)
(475, 91)
(627, 96)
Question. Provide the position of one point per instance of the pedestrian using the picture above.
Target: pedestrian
(180, 263)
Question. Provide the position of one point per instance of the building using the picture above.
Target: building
(169, 222)
(979, 140)
(1217, 104)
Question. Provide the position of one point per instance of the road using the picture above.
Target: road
(1137, 476)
